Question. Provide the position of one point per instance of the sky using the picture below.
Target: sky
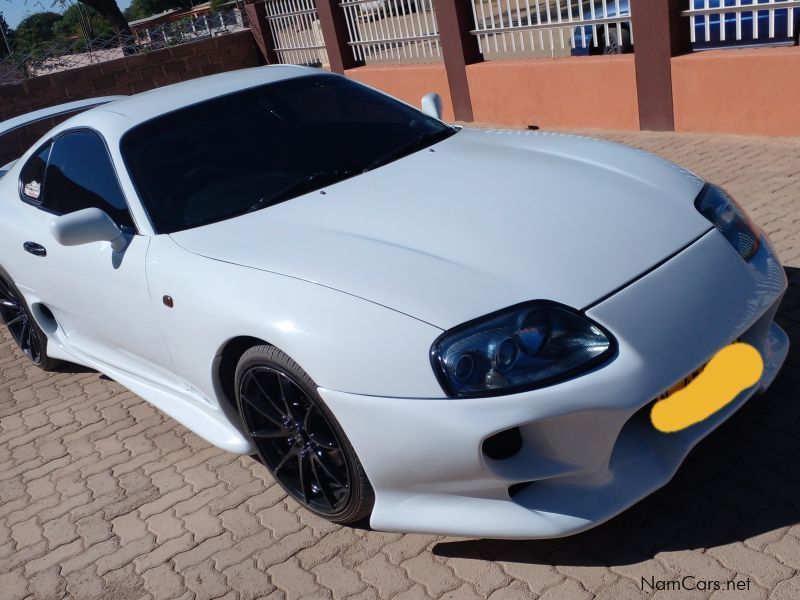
(16, 10)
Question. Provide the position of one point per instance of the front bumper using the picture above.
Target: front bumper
(588, 448)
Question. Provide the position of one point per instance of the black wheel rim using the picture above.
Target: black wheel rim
(19, 323)
(295, 440)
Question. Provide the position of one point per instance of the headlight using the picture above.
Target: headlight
(727, 216)
(519, 348)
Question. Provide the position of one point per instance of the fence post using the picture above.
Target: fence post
(333, 24)
(660, 32)
(459, 49)
(259, 27)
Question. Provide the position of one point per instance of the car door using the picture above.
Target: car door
(98, 298)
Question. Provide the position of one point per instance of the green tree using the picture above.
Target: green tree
(34, 30)
(81, 20)
(6, 36)
(110, 10)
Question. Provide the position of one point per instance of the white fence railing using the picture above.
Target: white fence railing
(748, 20)
(192, 28)
(392, 31)
(296, 31)
(550, 27)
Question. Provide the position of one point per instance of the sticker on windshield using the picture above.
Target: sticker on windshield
(32, 189)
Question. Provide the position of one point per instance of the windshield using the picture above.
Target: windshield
(252, 149)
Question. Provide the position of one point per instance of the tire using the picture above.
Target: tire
(19, 321)
(299, 439)
(615, 43)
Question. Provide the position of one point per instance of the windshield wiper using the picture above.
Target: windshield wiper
(418, 142)
(312, 181)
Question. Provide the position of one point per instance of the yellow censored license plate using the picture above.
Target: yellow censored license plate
(709, 389)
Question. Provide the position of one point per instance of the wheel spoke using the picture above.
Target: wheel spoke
(270, 435)
(25, 336)
(286, 390)
(305, 477)
(5, 290)
(260, 410)
(34, 345)
(309, 412)
(328, 470)
(269, 397)
(292, 452)
(323, 483)
(16, 320)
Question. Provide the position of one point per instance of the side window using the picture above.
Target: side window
(80, 175)
(33, 176)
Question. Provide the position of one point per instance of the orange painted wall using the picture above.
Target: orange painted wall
(408, 82)
(572, 92)
(749, 91)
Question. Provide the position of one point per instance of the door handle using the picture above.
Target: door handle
(35, 249)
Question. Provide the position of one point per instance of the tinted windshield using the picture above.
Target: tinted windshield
(249, 150)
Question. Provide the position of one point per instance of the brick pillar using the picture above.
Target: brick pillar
(459, 49)
(334, 32)
(259, 27)
(660, 32)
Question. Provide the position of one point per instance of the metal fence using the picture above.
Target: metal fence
(392, 31)
(81, 52)
(720, 21)
(295, 29)
(525, 28)
(192, 28)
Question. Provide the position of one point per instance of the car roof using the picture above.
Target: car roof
(43, 114)
(153, 103)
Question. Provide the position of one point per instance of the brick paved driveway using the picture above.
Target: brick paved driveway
(102, 496)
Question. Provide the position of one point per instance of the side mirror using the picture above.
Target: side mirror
(87, 226)
(432, 105)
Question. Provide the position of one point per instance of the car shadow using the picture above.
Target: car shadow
(740, 482)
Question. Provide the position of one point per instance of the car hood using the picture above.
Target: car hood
(481, 221)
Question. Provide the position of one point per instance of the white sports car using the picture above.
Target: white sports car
(445, 330)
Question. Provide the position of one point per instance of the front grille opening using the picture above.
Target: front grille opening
(515, 489)
(503, 445)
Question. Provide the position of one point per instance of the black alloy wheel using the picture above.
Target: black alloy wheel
(298, 439)
(20, 323)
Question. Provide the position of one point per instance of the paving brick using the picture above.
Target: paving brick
(435, 577)
(485, 576)
(293, 581)
(202, 551)
(129, 528)
(240, 522)
(165, 526)
(248, 581)
(164, 552)
(47, 583)
(13, 585)
(125, 554)
(787, 590)
(84, 583)
(279, 520)
(54, 557)
(163, 582)
(336, 577)
(787, 551)
(567, 590)
(386, 578)
(26, 533)
(205, 581)
(60, 531)
(202, 524)
(765, 569)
